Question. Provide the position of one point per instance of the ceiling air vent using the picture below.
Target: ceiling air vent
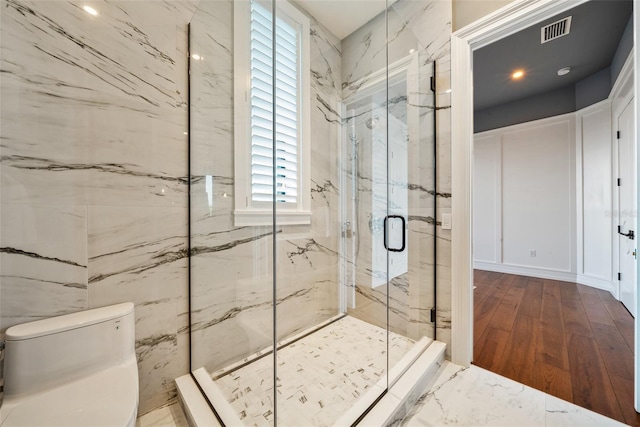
(557, 29)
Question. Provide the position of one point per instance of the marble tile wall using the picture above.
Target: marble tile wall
(231, 267)
(420, 28)
(94, 170)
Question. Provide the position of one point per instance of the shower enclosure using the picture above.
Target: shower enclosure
(312, 260)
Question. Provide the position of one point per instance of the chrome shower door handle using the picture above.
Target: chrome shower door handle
(404, 235)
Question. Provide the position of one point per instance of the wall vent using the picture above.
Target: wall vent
(556, 30)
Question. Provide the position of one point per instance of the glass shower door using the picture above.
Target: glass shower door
(412, 184)
(389, 203)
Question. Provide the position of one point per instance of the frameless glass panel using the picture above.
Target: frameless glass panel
(396, 101)
(231, 237)
(411, 153)
(365, 200)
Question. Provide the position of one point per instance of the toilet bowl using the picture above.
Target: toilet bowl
(74, 370)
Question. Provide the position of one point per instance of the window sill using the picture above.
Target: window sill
(265, 217)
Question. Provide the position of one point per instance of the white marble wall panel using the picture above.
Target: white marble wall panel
(140, 255)
(414, 26)
(94, 169)
(211, 96)
(421, 25)
(363, 52)
(71, 77)
(43, 254)
(315, 253)
(308, 256)
(231, 268)
(231, 294)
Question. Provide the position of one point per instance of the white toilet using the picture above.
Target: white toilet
(75, 370)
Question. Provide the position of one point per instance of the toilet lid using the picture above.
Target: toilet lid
(109, 398)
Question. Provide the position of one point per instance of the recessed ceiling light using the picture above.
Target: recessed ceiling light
(196, 57)
(90, 10)
(518, 74)
(564, 71)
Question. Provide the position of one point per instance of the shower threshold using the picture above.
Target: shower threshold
(331, 374)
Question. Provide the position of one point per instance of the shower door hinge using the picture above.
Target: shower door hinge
(346, 229)
(433, 84)
(433, 314)
(618, 135)
(619, 276)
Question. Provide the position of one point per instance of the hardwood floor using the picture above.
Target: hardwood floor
(568, 340)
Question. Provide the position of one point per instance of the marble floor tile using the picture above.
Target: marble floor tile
(561, 413)
(476, 397)
(462, 397)
(320, 376)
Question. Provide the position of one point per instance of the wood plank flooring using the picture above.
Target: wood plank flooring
(569, 340)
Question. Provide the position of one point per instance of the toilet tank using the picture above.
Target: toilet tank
(48, 353)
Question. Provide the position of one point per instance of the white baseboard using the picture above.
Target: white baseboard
(598, 283)
(564, 276)
(525, 271)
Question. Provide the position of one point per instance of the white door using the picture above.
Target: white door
(627, 230)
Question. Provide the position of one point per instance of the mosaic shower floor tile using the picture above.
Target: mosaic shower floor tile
(319, 376)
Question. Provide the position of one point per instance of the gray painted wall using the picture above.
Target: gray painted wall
(547, 104)
(586, 92)
(593, 89)
(625, 46)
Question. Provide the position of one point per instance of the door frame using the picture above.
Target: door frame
(495, 26)
(620, 97)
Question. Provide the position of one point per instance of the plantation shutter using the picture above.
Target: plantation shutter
(287, 107)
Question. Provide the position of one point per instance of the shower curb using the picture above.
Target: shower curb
(195, 406)
(404, 394)
(389, 411)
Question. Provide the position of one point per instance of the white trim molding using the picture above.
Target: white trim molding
(636, 69)
(498, 25)
(247, 211)
(620, 96)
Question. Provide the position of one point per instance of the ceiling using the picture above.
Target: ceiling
(596, 29)
(343, 17)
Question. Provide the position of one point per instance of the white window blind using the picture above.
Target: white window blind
(286, 107)
(254, 107)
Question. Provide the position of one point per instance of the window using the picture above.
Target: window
(254, 118)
